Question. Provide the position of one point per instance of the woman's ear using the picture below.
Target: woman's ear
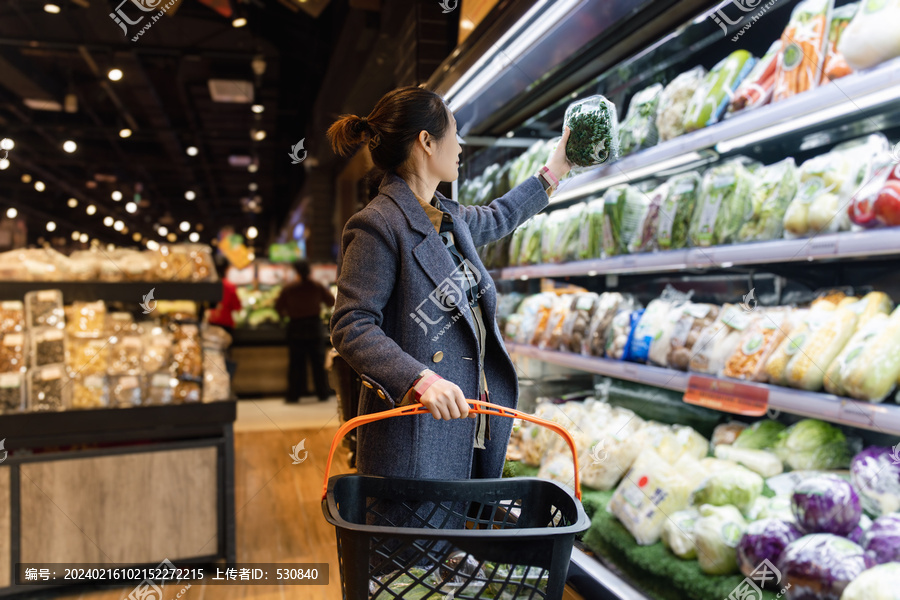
(426, 141)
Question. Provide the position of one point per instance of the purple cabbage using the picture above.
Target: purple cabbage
(820, 566)
(856, 535)
(764, 539)
(882, 540)
(875, 473)
(826, 504)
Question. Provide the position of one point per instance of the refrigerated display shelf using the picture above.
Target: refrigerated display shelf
(883, 418)
(593, 580)
(117, 291)
(844, 100)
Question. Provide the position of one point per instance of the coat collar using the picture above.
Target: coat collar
(394, 187)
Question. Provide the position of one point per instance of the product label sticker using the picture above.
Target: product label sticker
(14, 339)
(11, 305)
(53, 372)
(160, 380)
(10, 380)
(795, 344)
(47, 296)
(698, 311)
(584, 302)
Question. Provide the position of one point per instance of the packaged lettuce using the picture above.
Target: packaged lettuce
(623, 206)
(737, 486)
(676, 211)
(762, 435)
(678, 533)
(638, 129)
(590, 234)
(724, 198)
(515, 244)
(811, 444)
(711, 99)
(717, 534)
(644, 239)
(775, 187)
(567, 244)
(594, 137)
(531, 241)
(551, 234)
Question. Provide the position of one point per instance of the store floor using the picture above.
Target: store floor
(279, 514)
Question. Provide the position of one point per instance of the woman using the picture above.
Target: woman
(415, 309)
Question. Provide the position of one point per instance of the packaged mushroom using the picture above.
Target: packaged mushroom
(687, 331)
(44, 308)
(12, 392)
(47, 389)
(12, 316)
(12, 352)
(608, 304)
(618, 338)
(89, 391)
(48, 346)
(575, 329)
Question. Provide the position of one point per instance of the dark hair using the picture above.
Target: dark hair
(301, 267)
(392, 126)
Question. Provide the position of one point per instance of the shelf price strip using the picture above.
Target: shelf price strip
(727, 396)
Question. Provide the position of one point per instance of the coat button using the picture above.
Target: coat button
(367, 384)
(381, 394)
(438, 356)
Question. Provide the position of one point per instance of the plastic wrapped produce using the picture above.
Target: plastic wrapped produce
(12, 352)
(44, 308)
(759, 340)
(621, 332)
(870, 306)
(819, 566)
(875, 474)
(882, 539)
(756, 89)
(12, 316)
(532, 310)
(12, 392)
(577, 325)
(651, 489)
(160, 389)
(821, 347)
(726, 433)
(761, 435)
(89, 391)
(677, 210)
(87, 356)
(661, 343)
(873, 374)
(759, 461)
(717, 532)
(870, 38)
(835, 64)
(551, 234)
(720, 340)
(623, 206)
(712, 98)
(590, 233)
(594, 135)
(515, 245)
(678, 533)
(683, 340)
(826, 504)
(531, 241)
(608, 304)
(613, 449)
(821, 180)
(774, 188)
(737, 486)
(47, 388)
(638, 129)
(548, 334)
(813, 444)
(877, 583)
(723, 204)
(656, 318)
(673, 102)
(570, 233)
(801, 323)
(216, 382)
(644, 239)
(87, 319)
(804, 44)
(765, 539)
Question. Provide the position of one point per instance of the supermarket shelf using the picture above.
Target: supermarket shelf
(593, 580)
(125, 291)
(878, 242)
(843, 100)
(884, 418)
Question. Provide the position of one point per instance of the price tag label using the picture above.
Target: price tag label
(822, 246)
(630, 371)
(727, 396)
(629, 262)
(857, 413)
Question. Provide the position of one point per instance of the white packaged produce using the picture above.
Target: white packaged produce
(719, 341)
(717, 533)
(678, 533)
(612, 451)
(760, 461)
(871, 37)
(674, 100)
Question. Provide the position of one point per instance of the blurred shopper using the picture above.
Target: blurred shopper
(301, 302)
(223, 314)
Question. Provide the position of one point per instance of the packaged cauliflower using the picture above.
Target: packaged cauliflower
(651, 490)
(678, 533)
(673, 102)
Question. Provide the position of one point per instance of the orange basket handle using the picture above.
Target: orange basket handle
(484, 408)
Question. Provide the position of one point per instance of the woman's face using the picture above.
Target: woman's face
(445, 160)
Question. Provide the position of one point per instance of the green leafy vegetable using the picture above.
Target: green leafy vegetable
(638, 129)
(813, 445)
(762, 435)
(594, 137)
(677, 210)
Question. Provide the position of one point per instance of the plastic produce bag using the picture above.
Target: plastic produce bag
(577, 324)
(712, 98)
(759, 461)
(758, 341)
(644, 239)
(678, 533)
(813, 444)
(683, 340)
(875, 475)
(677, 210)
(801, 322)
(531, 241)
(594, 136)
(775, 187)
(820, 566)
(653, 322)
(569, 234)
(820, 348)
(651, 490)
(737, 486)
(804, 44)
(590, 234)
(608, 304)
(723, 204)
(638, 129)
(621, 332)
(835, 64)
(756, 89)
(622, 207)
(673, 102)
(718, 341)
(717, 533)
(874, 373)
(551, 235)
(871, 37)
(877, 583)
(613, 449)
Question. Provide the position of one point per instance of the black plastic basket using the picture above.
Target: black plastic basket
(485, 539)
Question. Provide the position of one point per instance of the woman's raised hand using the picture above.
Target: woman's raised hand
(558, 164)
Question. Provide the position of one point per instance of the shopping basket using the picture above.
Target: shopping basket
(508, 539)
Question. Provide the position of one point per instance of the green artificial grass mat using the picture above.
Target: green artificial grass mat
(661, 574)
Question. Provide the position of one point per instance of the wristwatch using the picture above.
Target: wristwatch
(545, 175)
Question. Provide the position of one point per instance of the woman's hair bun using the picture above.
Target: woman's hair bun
(348, 132)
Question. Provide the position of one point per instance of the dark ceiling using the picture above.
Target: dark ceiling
(61, 61)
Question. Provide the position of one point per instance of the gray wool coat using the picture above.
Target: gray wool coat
(396, 314)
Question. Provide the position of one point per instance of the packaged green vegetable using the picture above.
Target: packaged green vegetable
(724, 198)
(623, 207)
(515, 244)
(762, 435)
(644, 239)
(594, 137)
(812, 444)
(738, 486)
(550, 234)
(717, 533)
(676, 211)
(531, 241)
(570, 232)
(711, 99)
(638, 129)
(775, 187)
(590, 234)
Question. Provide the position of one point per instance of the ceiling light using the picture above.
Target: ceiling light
(51, 226)
(72, 202)
(184, 226)
(252, 187)
(70, 146)
(117, 195)
(162, 230)
(192, 151)
(131, 207)
(83, 238)
(7, 144)
(75, 236)
(152, 245)
(171, 237)
(194, 237)
(190, 195)
(11, 213)
(136, 237)
(258, 108)
(53, 9)
(124, 133)
(4, 164)
(252, 232)
(239, 22)
(39, 186)
(118, 225)
(26, 178)
(108, 221)
(115, 74)
(258, 134)
(91, 209)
